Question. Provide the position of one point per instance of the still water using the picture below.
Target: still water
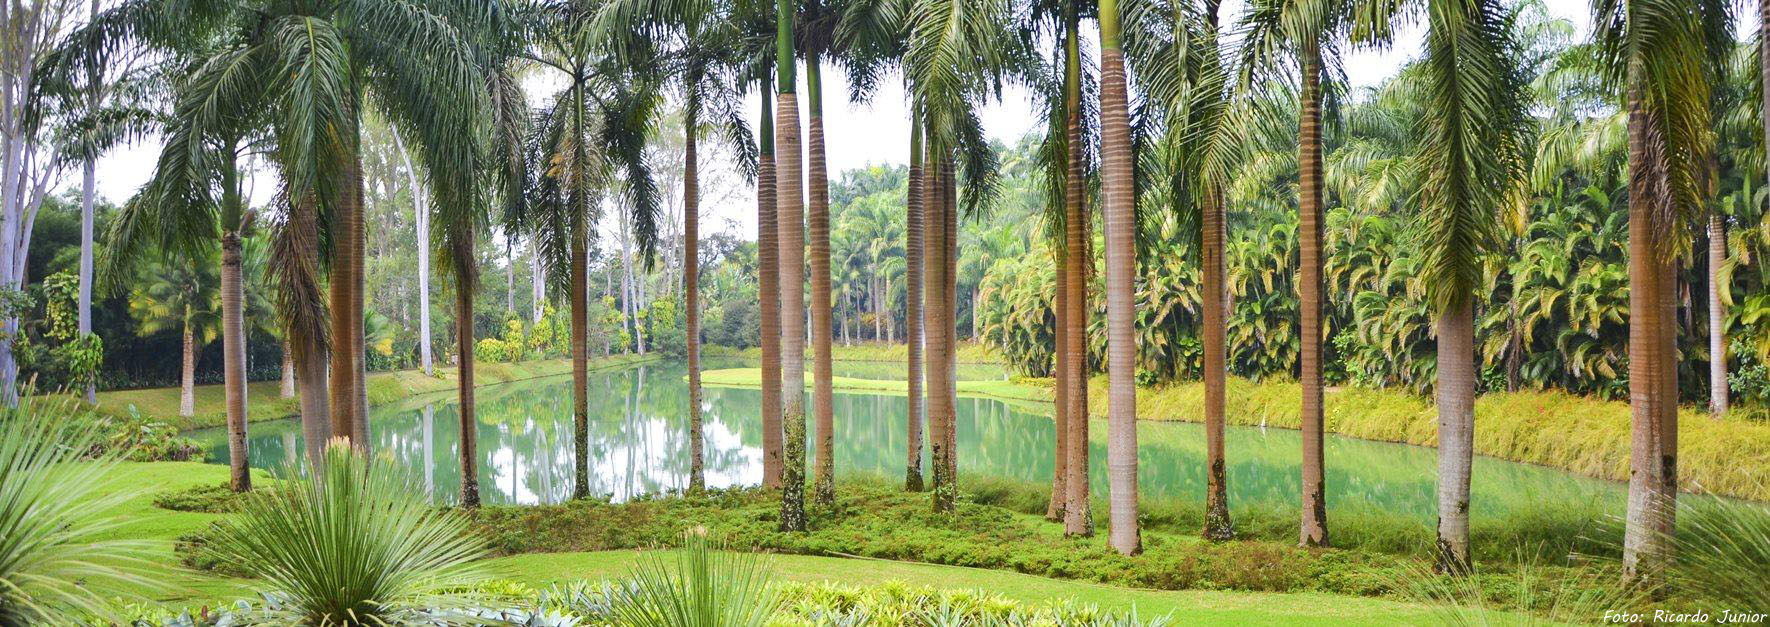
(639, 445)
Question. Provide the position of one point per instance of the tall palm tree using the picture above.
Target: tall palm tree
(1308, 32)
(915, 235)
(1118, 210)
(790, 212)
(1664, 55)
(1472, 141)
(1077, 252)
(591, 130)
(768, 266)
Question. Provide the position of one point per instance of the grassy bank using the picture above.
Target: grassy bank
(969, 353)
(159, 528)
(265, 397)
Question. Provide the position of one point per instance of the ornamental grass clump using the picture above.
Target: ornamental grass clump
(55, 564)
(697, 586)
(1723, 552)
(352, 543)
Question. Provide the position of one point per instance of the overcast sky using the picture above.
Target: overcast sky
(874, 132)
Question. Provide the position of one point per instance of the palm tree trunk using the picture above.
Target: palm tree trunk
(768, 262)
(233, 346)
(288, 387)
(1078, 516)
(580, 358)
(346, 310)
(1652, 450)
(790, 210)
(1218, 525)
(464, 386)
(818, 222)
(691, 295)
(359, 425)
(187, 400)
(1456, 431)
(1717, 318)
(305, 330)
(1314, 523)
(915, 237)
(1060, 404)
(1121, 265)
(950, 352)
(938, 320)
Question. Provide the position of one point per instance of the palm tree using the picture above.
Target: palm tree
(592, 130)
(790, 213)
(1473, 137)
(915, 235)
(1663, 55)
(1306, 30)
(183, 295)
(1117, 208)
(768, 266)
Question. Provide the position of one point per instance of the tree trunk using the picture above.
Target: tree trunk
(949, 352)
(187, 400)
(1078, 516)
(421, 224)
(88, 185)
(938, 321)
(464, 387)
(1060, 404)
(791, 213)
(1652, 450)
(347, 220)
(818, 222)
(915, 238)
(1456, 432)
(580, 358)
(1309, 287)
(1121, 266)
(691, 294)
(233, 347)
(768, 262)
(1218, 525)
(288, 387)
(1717, 318)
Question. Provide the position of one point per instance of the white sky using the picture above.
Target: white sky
(875, 132)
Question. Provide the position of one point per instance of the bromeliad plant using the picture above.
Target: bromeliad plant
(352, 544)
(54, 560)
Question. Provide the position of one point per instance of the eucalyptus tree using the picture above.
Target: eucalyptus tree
(1471, 143)
(588, 134)
(1663, 56)
(958, 54)
(1307, 34)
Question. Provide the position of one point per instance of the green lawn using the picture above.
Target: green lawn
(158, 528)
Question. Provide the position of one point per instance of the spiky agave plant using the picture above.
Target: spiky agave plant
(54, 562)
(697, 586)
(352, 544)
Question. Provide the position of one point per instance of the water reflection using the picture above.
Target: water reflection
(639, 445)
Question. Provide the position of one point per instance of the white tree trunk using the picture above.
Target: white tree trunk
(420, 218)
(187, 399)
(88, 188)
(1717, 319)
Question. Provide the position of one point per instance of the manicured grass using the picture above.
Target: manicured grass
(266, 402)
(157, 529)
(1000, 390)
(968, 353)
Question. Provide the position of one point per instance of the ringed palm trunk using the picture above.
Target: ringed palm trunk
(464, 386)
(939, 319)
(915, 236)
(1456, 431)
(1314, 503)
(768, 260)
(949, 352)
(288, 386)
(1717, 318)
(1653, 443)
(691, 291)
(1121, 261)
(1217, 522)
(1060, 420)
(187, 400)
(307, 341)
(1078, 515)
(580, 361)
(791, 211)
(233, 346)
(348, 221)
(818, 222)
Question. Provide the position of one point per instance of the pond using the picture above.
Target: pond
(639, 445)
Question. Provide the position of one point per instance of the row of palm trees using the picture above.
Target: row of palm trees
(295, 77)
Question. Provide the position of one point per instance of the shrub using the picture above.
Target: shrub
(54, 560)
(352, 544)
(213, 499)
(141, 440)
